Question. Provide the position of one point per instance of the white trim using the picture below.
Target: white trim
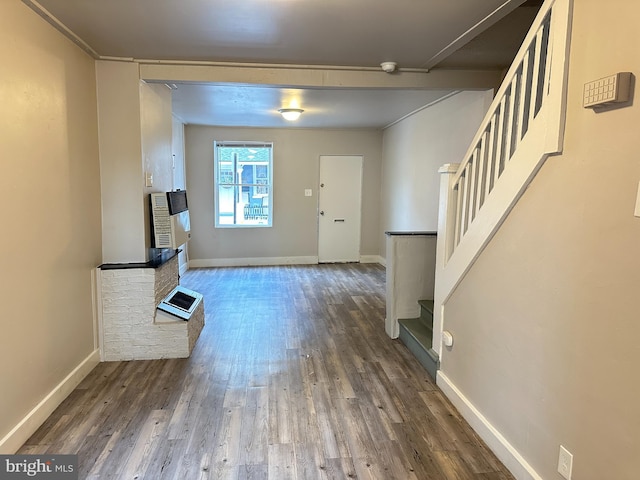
(244, 262)
(499, 445)
(258, 261)
(50, 18)
(372, 259)
(96, 306)
(183, 268)
(36, 417)
(498, 14)
(98, 322)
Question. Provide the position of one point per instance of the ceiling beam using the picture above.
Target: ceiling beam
(321, 77)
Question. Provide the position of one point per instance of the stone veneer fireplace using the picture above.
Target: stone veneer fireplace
(130, 294)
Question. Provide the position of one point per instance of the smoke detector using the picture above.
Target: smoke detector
(388, 67)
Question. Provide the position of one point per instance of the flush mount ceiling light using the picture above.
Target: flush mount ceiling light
(290, 114)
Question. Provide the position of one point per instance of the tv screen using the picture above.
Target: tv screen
(177, 201)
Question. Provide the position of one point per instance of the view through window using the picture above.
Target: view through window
(243, 177)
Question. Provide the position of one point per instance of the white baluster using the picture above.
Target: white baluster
(500, 141)
(482, 172)
(473, 185)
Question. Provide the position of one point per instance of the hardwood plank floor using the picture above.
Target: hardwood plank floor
(293, 377)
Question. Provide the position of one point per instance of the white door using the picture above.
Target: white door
(339, 207)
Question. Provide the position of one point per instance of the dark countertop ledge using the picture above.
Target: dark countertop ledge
(155, 262)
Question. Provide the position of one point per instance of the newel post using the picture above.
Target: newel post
(444, 246)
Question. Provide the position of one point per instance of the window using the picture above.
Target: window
(243, 184)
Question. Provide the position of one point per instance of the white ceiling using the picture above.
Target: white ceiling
(358, 34)
(253, 106)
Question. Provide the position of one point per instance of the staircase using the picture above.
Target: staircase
(523, 127)
(417, 335)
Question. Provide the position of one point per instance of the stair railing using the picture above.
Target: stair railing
(523, 127)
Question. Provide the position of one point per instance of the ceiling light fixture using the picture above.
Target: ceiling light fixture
(290, 114)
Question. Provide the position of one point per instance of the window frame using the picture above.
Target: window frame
(261, 186)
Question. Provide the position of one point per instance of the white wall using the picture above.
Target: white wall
(413, 151)
(51, 227)
(294, 234)
(546, 323)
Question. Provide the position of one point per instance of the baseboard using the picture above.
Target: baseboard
(258, 261)
(499, 445)
(36, 417)
(183, 268)
(372, 259)
(245, 262)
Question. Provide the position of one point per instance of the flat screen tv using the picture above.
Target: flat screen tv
(177, 202)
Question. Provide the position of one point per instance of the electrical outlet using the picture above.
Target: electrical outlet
(565, 463)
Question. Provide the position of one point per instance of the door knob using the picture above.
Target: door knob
(321, 212)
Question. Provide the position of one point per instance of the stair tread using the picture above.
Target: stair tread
(418, 330)
(426, 322)
(417, 337)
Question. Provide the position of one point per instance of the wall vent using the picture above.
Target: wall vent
(179, 305)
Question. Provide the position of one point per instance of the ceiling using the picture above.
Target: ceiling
(253, 106)
(357, 35)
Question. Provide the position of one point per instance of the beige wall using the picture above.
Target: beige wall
(414, 149)
(546, 324)
(157, 137)
(123, 229)
(135, 124)
(296, 156)
(51, 230)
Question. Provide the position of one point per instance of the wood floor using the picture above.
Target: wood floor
(293, 377)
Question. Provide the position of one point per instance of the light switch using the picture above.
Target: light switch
(148, 179)
(637, 210)
(307, 192)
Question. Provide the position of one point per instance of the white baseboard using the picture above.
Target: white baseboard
(372, 259)
(245, 262)
(261, 261)
(183, 268)
(36, 417)
(499, 445)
